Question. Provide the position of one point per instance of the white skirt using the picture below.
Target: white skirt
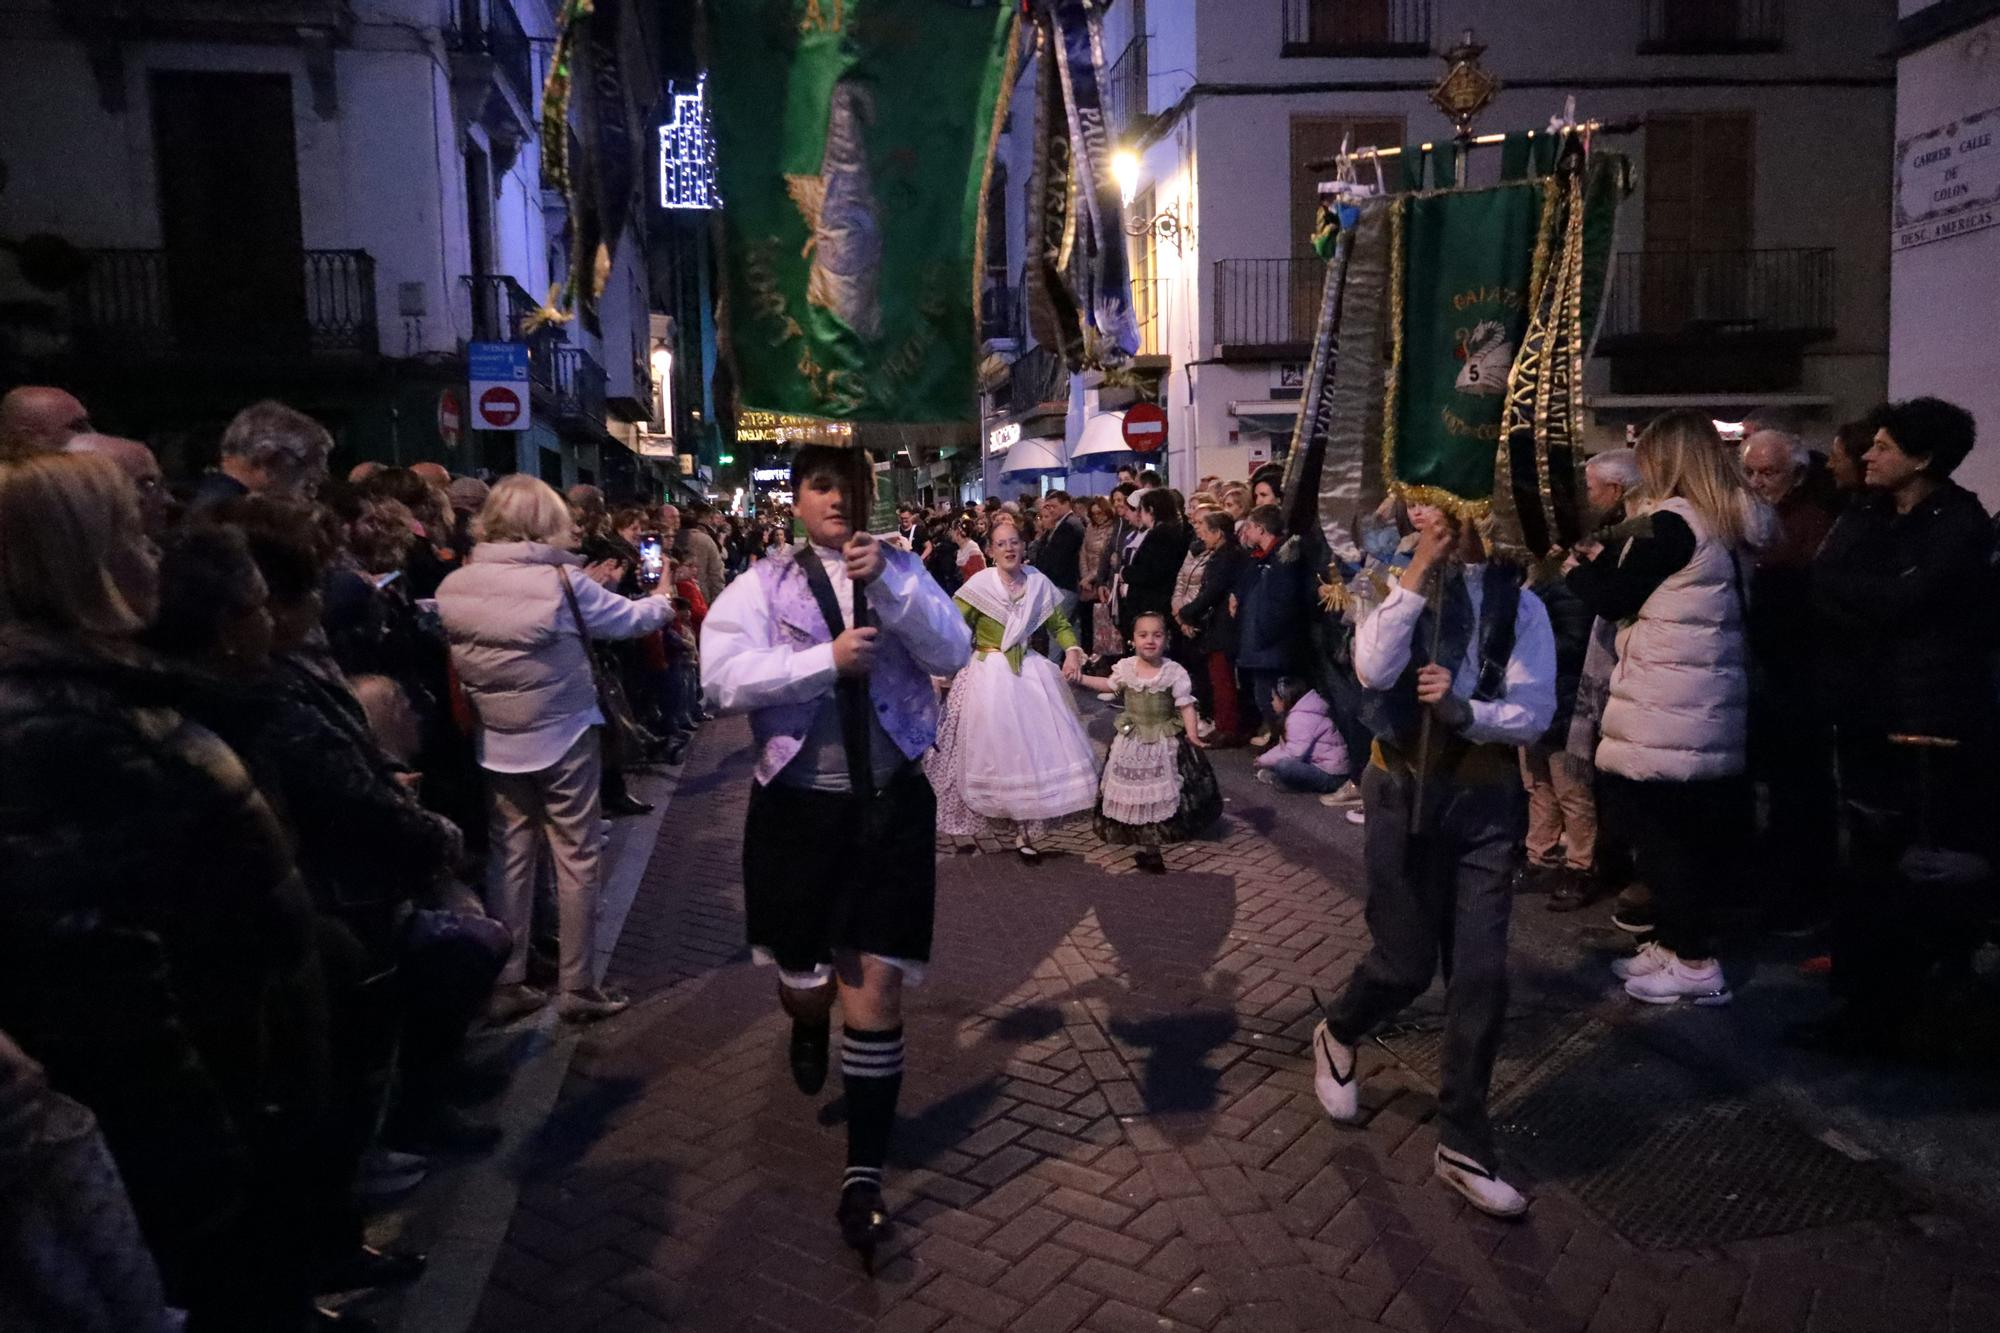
(1018, 750)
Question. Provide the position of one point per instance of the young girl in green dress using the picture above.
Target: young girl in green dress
(1158, 787)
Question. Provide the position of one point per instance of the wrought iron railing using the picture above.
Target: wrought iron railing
(1267, 303)
(490, 27)
(1037, 378)
(1711, 27)
(1704, 293)
(142, 302)
(579, 385)
(501, 310)
(1125, 90)
(1358, 27)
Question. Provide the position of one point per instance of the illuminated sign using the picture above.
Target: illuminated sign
(784, 428)
(1002, 438)
(687, 152)
(766, 475)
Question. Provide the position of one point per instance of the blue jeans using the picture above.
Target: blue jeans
(1299, 775)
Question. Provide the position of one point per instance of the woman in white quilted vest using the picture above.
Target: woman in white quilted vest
(517, 614)
(1670, 759)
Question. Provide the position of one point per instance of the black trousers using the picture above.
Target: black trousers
(1440, 900)
(1687, 840)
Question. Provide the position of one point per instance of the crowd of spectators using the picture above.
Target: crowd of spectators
(301, 779)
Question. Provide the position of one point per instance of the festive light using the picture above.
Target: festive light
(687, 152)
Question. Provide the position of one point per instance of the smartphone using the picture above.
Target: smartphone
(652, 561)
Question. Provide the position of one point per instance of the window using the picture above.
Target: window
(1700, 181)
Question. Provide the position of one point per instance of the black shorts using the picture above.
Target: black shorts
(826, 872)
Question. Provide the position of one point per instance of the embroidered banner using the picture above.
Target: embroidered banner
(852, 145)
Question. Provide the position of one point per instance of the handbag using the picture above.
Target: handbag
(626, 740)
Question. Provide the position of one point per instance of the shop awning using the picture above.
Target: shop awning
(1036, 458)
(1269, 416)
(1102, 447)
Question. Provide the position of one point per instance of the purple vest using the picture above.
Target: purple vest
(905, 702)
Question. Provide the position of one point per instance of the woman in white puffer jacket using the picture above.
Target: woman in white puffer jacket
(1671, 757)
(522, 659)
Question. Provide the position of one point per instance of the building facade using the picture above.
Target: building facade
(322, 201)
(1945, 230)
(1751, 268)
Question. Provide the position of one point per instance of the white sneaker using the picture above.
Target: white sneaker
(1681, 982)
(1347, 795)
(1264, 776)
(1357, 816)
(1261, 739)
(1339, 1094)
(1206, 729)
(1481, 1187)
(1652, 957)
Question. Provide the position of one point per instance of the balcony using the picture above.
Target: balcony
(500, 313)
(1125, 91)
(1361, 27)
(1037, 378)
(579, 387)
(1715, 320)
(153, 304)
(1711, 27)
(1266, 309)
(498, 35)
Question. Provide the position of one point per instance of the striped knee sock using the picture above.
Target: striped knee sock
(871, 1064)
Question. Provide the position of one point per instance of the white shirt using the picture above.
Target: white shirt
(744, 669)
(1382, 648)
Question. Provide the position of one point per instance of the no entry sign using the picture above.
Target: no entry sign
(1145, 428)
(451, 418)
(498, 373)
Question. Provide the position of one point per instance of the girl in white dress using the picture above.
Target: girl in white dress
(1011, 751)
(1158, 787)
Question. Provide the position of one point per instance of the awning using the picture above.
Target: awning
(1270, 416)
(1036, 458)
(1102, 447)
(688, 489)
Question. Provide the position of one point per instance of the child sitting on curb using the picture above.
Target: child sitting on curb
(1310, 755)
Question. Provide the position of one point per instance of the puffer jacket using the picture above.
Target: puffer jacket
(1309, 734)
(1680, 693)
(156, 941)
(515, 644)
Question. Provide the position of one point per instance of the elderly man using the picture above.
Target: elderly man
(1609, 479)
(39, 419)
(1790, 751)
(703, 553)
(269, 449)
(136, 461)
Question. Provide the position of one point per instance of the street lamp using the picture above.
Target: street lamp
(1125, 170)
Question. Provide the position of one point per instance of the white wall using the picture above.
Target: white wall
(1944, 294)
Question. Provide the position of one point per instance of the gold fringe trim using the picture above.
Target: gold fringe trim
(1393, 386)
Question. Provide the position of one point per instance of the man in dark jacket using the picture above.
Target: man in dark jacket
(1562, 799)
(1903, 594)
(1059, 548)
(1269, 607)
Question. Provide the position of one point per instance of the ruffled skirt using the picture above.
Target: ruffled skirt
(1157, 792)
(1010, 748)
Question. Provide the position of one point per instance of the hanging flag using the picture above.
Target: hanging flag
(1053, 314)
(585, 68)
(1461, 266)
(1079, 52)
(853, 140)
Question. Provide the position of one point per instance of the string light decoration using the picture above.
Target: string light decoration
(687, 152)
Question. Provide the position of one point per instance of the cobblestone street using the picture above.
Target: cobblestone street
(1108, 1124)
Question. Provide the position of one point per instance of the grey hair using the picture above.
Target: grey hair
(286, 441)
(1620, 467)
(1795, 448)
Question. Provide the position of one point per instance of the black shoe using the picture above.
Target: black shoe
(864, 1222)
(1029, 856)
(677, 749)
(626, 806)
(1151, 862)
(368, 1268)
(1576, 890)
(439, 1131)
(1531, 878)
(1635, 920)
(810, 1043)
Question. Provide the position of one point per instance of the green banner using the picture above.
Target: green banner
(1461, 263)
(851, 148)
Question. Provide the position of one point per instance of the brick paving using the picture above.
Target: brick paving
(1108, 1124)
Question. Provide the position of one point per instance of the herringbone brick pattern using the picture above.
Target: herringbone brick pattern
(1108, 1124)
